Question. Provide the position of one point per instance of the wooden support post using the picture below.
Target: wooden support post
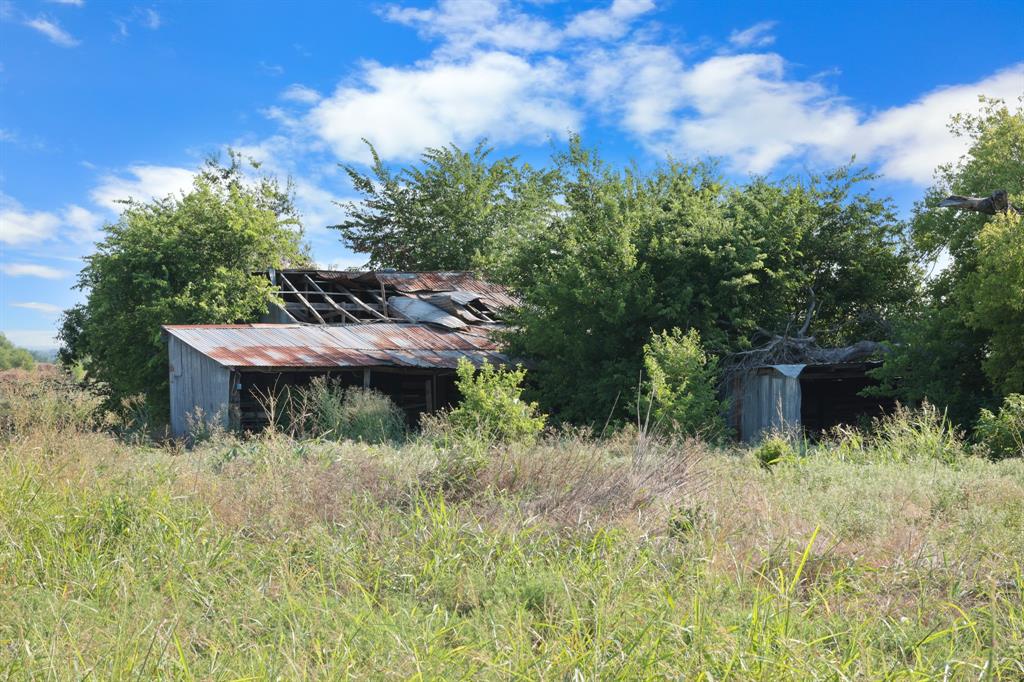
(430, 394)
(366, 377)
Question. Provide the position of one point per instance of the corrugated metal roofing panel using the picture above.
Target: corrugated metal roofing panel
(363, 345)
(421, 311)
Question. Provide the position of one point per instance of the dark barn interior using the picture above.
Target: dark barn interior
(831, 396)
(415, 392)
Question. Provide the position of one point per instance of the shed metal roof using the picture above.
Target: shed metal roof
(296, 346)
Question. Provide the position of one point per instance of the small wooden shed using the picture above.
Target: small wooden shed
(805, 398)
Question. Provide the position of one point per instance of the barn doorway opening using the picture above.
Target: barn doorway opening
(831, 396)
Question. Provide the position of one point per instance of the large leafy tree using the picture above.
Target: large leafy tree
(963, 349)
(194, 258)
(451, 212)
(633, 255)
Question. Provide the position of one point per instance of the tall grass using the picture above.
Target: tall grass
(629, 558)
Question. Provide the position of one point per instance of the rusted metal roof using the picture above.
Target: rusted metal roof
(299, 346)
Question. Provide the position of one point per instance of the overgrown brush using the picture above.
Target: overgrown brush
(325, 408)
(907, 435)
(631, 557)
(46, 403)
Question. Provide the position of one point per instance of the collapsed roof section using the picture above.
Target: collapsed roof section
(454, 300)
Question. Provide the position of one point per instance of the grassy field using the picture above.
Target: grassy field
(623, 558)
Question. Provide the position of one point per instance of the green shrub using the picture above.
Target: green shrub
(1002, 435)
(775, 448)
(325, 409)
(492, 407)
(681, 378)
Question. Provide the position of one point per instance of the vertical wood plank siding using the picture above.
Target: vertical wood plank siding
(197, 383)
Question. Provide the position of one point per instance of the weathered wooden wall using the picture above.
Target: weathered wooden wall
(197, 384)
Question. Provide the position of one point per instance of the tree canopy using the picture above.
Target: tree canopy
(963, 347)
(449, 213)
(633, 255)
(189, 259)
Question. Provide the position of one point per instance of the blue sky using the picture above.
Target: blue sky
(104, 100)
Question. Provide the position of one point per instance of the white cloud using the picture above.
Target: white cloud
(75, 3)
(302, 94)
(45, 308)
(747, 109)
(33, 339)
(911, 140)
(146, 17)
(52, 30)
(640, 83)
(401, 111)
(151, 19)
(467, 24)
(19, 227)
(757, 35)
(744, 108)
(146, 183)
(610, 23)
(84, 223)
(32, 270)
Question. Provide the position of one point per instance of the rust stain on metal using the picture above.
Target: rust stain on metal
(313, 346)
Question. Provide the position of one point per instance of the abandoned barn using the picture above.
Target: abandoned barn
(400, 333)
(403, 333)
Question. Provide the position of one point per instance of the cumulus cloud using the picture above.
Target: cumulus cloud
(909, 141)
(467, 24)
(52, 30)
(143, 183)
(743, 107)
(748, 109)
(22, 227)
(45, 308)
(403, 110)
(84, 224)
(758, 35)
(32, 270)
(612, 22)
(19, 227)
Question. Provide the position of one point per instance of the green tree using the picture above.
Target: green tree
(457, 210)
(681, 386)
(194, 258)
(964, 348)
(13, 357)
(631, 253)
